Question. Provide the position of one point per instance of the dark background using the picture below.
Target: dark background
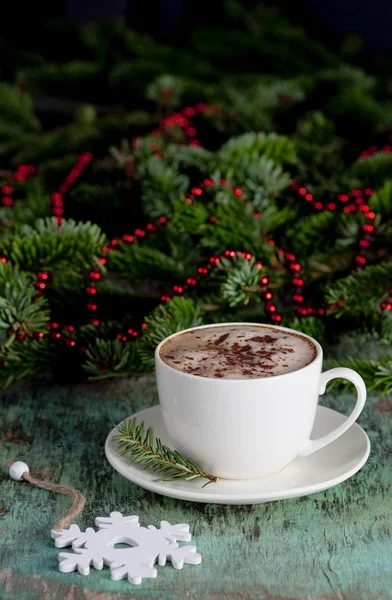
(172, 20)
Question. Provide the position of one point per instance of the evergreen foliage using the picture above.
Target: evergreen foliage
(208, 211)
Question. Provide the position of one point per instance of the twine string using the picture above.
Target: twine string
(78, 499)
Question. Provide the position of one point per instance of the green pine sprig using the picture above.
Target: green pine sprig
(142, 448)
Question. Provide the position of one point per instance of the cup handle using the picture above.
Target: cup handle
(356, 379)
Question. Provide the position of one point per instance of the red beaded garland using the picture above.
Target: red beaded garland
(183, 120)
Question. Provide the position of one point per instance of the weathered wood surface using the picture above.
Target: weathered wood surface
(334, 544)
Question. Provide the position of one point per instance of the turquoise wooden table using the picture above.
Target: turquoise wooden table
(334, 544)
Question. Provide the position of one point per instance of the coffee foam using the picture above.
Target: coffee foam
(238, 352)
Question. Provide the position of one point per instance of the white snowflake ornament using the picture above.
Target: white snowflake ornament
(147, 545)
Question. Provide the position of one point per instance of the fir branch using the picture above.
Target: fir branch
(377, 373)
(73, 247)
(17, 115)
(161, 185)
(108, 359)
(257, 109)
(166, 91)
(27, 360)
(35, 205)
(260, 177)
(142, 448)
(189, 157)
(170, 257)
(278, 148)
(241, 284)
(180, 313)
(360, 293)
(235, 227)
(313, 326)
(381, 200)
(360, 109)
(373, 170)
(21, 313)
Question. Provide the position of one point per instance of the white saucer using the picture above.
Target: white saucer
(329, 466)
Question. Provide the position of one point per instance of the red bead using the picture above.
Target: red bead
(144, 325)
(41, 334)
(102, 261)
(298, 281)
(302, 191)
(238, 192)
(295, 266)
(189, 111)
(318, 205)
(278, 318)
(189, 201)
(308, 197)
(371, 215)
(162, 220)
(7, 190)
(264, 280)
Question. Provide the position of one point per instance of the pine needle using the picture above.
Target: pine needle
(143, 448)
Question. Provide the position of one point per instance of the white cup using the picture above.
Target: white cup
(248, 428)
